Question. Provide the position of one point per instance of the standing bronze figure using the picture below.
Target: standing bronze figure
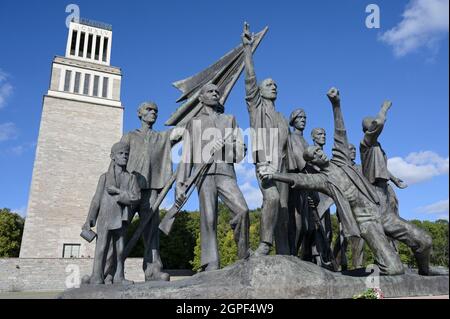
(219, 180)
(269, 146)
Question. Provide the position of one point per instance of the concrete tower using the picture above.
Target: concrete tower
(82, 118)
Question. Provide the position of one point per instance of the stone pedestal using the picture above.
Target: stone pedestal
(271, 277)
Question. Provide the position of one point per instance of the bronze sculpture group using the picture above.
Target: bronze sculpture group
(298, 181)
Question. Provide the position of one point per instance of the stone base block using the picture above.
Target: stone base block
(271, 277)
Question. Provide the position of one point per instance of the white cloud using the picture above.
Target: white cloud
(8, 131)
(440, 209)
(166, 203)
(22, 211)
(418, 167)
(252, 195)
(245, 172)
(18, 150)
(2, 76)
(5, 88)
(429, 157)
(424, 23)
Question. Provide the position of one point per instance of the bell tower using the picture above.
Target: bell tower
(82, 117)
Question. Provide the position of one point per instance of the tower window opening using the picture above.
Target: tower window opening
(96, 80)
(73, 45)
(87, 82)
(89, 46)
(67, 80)
(105, 48)
(105, 87)
(97, 48)
(81, 49)
(76, 88)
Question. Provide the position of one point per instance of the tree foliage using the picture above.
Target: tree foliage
(181, 249)
(225, 241)
(177, 249)
(11, 230)
(439, 231)
(226, 244)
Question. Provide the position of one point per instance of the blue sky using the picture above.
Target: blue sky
(310, 47)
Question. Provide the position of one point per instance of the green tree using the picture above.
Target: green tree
(440, 254)
(439, 231)
(182, 249)
(225, 238)
(255, 224)
(226, 245)
(196, 261)
(177, 249)
(11, 230)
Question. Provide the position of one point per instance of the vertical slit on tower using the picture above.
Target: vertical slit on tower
(89, 47)
(105, 87)
(96, 80)
(67, 80)
(74, 42)
(76, 88)
(81, 50)
(87, 78)
(97, 48)
(105, 48)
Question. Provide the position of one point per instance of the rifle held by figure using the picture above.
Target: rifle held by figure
(187, 188)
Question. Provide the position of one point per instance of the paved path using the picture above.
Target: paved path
(53, 294)
(48, 294)
(424, 297)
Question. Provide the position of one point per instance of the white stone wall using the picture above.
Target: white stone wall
(73, 149)
(41, 274)
(55, 78)
(23, 274)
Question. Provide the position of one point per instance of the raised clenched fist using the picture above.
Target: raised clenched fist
(333, 95)
(387, 105)
(247, 37)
